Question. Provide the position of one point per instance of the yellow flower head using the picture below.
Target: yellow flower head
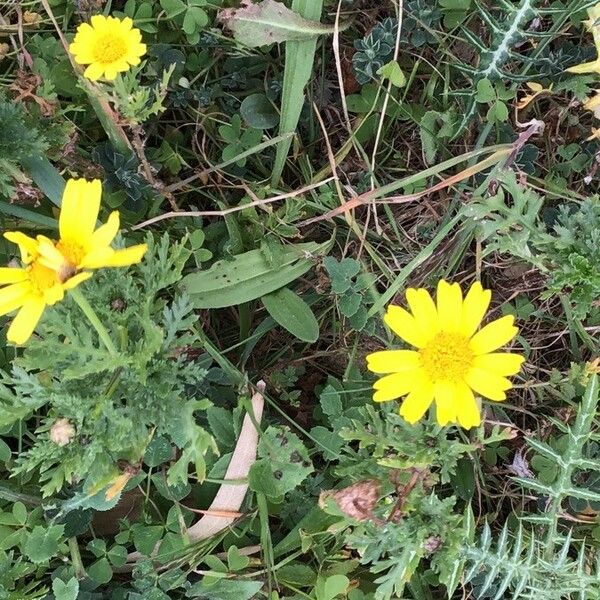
(30, 289)
(81, 245)
(593, 24)
(452, 360)
(108, 45)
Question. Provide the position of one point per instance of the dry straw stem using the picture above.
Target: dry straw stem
(224, 509)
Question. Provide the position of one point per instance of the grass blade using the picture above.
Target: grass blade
(299, 58)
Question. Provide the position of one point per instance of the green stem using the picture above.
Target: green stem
(92, 317)
(76, 558)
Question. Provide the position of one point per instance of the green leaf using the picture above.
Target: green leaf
(328, 588)
(100, 571)
(145, 538)
(299, 59)
(341, 273)
(393, 72)
(331, 402)
(173, 8)
(5, 452)
(349, 303)
(292, 313)
(268, 22)
(42, 543)
(258, 112)
(195, 19)
(65, 591)
(20, 513)
(250, 275)
(221, 423)
(485, 92)
(159, 451)
(235, 560)
(283, 464)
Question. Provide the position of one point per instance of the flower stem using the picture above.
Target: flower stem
(92, 317)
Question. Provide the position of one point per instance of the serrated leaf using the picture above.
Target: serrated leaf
(293, 314)
(43, 543)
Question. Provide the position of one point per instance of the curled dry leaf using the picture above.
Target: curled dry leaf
(357, 501)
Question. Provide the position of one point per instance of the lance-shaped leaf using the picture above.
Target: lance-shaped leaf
(269, 22)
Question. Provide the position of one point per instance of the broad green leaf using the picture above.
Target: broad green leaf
(65, 591)
(250, 275)
(43, 543)
(292, 313)
(173, 7)
(268, 22)
(5, 452)
(283, 463)
(158, 451)
(258, 112)
(100, 571)
(393, 73)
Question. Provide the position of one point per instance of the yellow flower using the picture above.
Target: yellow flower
(81, 246)
(30, 289)
(593, 24)
(453, 360)
(109, 46)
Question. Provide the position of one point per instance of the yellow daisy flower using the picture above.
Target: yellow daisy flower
(108, 45)
(593, 24)
(81, 246)
(30, 289)
(452, 361)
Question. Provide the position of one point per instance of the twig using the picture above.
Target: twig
(234, 209)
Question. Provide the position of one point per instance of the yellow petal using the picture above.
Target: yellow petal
(488, 384)
(468, 412)
(500, 363)
(74, 281)
(118, 258)
(415, 405)
(27, 246)
(12, 275)
(105, 234)
(392, 361)
(475, 306)
(393, 386)
(110, 72)
(94, 71)
(79, 210)
(24, 323)
(494, 335)
(445, 405)
(14, 291)
(404, 325)
(13, 296)
(50, 256)
(423, 309)
(54, 294)
(449, 306)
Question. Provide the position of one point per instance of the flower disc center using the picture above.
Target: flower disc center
(447, 357)
(110, 48)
